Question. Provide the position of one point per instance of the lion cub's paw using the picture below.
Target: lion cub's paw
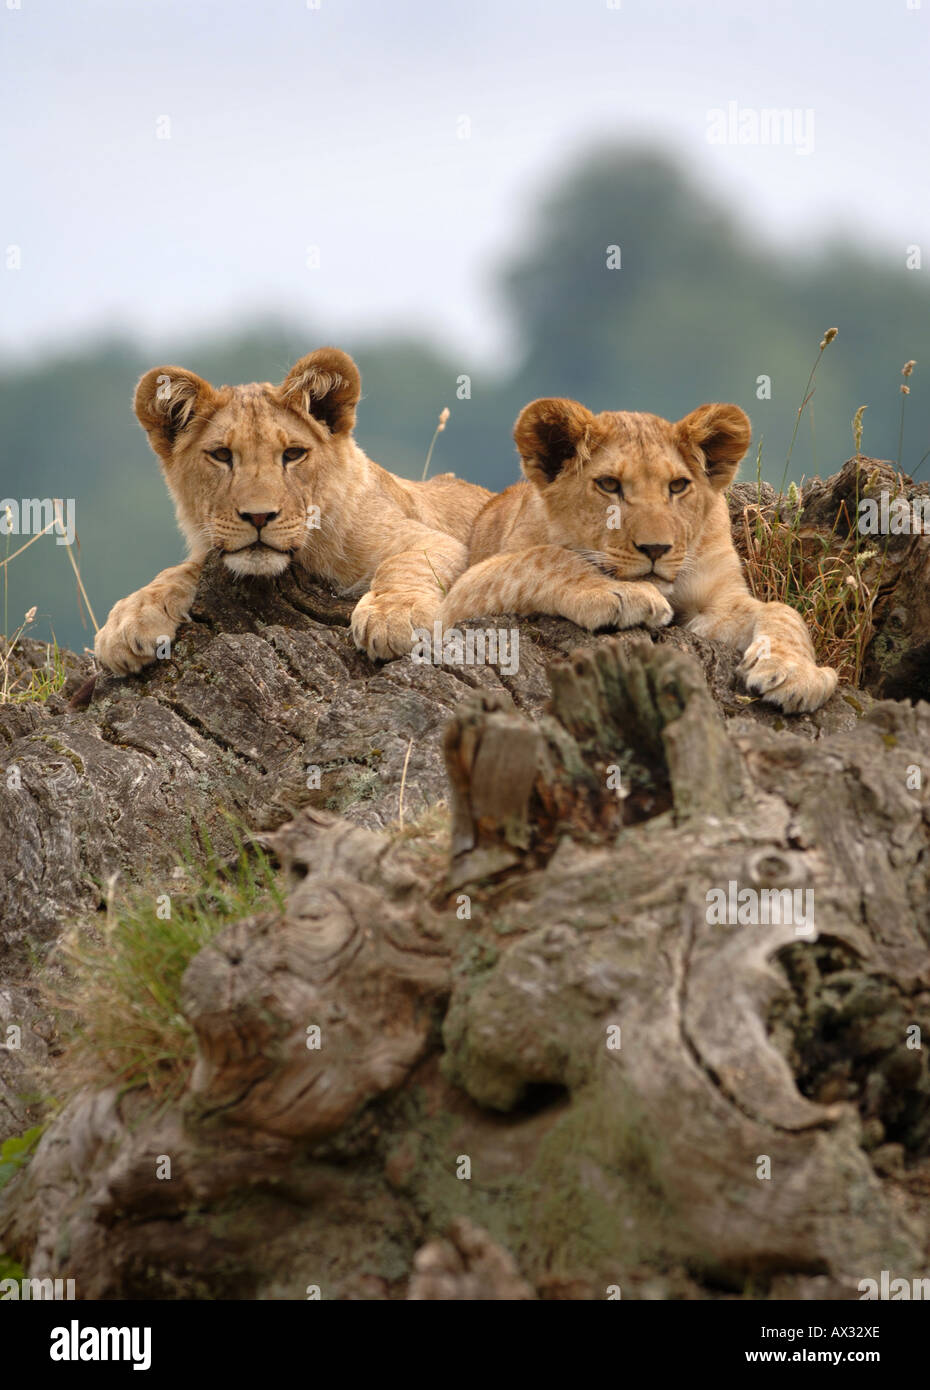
(788, 679)
(383, 627)
(131, 635)
(642, 605)
(618, 605)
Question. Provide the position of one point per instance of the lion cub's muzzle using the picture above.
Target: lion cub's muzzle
(257, 559)
(656, 563)
(262, 544)
(259, 555)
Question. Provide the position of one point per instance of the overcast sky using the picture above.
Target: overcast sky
(339, 127)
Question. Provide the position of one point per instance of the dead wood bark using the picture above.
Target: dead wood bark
(641, 1095)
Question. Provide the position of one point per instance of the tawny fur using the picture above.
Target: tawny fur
(404, 542)
(566, 541)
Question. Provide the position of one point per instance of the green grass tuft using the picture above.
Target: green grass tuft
(122, 993)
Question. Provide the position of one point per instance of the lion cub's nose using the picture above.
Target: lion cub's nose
(260, 519)
(655, 552)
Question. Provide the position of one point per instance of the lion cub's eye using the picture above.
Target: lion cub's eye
(679, 484)
(221, 455)
(293, 454)
(612, 485)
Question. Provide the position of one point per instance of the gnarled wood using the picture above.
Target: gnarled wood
(641, 1095)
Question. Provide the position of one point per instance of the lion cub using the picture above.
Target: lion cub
(271, 476)
(622, 521)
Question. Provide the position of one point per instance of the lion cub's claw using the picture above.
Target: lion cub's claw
(790, 680)
(130, 637)
(645, 607)
(383, 627)
(636, 604)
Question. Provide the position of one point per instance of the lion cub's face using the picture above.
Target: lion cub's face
(245, 463)
(633, 489)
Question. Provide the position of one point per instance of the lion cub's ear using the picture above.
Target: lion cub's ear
(717, 437)
(167, 400)
(549, 432)
(327, 385)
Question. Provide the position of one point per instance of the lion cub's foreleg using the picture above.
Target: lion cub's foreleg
(551, 579)
(406, 591)
(130, 636)
(779, 662)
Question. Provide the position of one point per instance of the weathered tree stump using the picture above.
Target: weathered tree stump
(640, 1090)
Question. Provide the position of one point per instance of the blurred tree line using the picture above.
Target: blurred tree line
(636, 291)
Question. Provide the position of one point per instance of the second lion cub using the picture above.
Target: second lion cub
(621, 521)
